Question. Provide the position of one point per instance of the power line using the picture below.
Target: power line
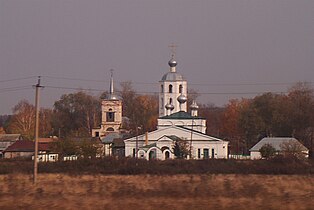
(23, 78)
(4, 90)
(191, 84)
(155, 92)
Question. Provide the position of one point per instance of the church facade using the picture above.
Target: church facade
(176, 124)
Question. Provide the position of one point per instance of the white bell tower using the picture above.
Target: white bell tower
(173, 91)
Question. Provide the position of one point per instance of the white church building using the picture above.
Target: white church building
(175, 123)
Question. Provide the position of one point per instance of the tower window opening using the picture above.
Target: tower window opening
(170, 88)
(110, 116)
(180, 88)
(162, 88)
(170, 101)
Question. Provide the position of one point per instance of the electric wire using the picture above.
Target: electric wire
(190, 84)
(17, 79)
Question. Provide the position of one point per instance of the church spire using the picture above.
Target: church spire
(172, 63)
(111, 81)
(112, 96)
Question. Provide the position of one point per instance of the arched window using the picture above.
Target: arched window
(180, 88)
(162, 88)
(170, 88)
(110, 116)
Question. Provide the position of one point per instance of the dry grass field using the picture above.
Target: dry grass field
(56, 191)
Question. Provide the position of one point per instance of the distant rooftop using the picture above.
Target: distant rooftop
(10, 137)
(180, 115)
(276, 142)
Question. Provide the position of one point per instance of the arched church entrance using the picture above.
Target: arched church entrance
(167, 155)
(152, 154)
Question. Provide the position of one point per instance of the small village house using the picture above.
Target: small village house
(278, 143)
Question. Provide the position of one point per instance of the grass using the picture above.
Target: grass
(183, 191)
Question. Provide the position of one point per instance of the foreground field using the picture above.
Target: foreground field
(56, 191)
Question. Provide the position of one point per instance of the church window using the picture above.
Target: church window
(180, 88)
(133, 152)
(162, 88)
(162, 103)
(206, 153)
(199, 153)
(170, 88)
(170, 101)
(110, 116)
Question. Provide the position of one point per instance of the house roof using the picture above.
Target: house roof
(110, 137)
(10, 137)
(180, 115)
(276, 142)
(26, 146)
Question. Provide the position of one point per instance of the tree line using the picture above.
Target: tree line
(243, 122)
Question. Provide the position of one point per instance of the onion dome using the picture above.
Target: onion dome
(172, 63)
(182, 99)
(194, 106)
(169, 106)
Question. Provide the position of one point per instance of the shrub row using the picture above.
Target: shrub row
(130, 166)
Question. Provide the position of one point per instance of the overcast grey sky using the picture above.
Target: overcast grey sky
(224, 46)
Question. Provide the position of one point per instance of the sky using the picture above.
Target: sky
(225, 48)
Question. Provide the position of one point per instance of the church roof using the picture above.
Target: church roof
(180, 115)
(172, 76)
(174, 137)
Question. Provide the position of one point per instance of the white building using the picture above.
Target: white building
(172, 85)
(176, 124)
(277, 143)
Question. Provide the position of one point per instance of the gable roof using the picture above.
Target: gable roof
(110, 137)
(276, 142)
(180, 115)
(26, 146)
(164, 132)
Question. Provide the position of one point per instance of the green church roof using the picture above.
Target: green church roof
(180, 115)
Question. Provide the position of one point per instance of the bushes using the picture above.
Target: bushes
(131, 166)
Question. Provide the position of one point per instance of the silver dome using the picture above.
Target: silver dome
(112, 97)
(169, 106)
(182, 99)
(172, 63)
(194, 106)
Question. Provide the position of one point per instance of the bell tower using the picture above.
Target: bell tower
(111, 113)
(173, 91)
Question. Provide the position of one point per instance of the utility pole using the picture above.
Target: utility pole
(36, 130)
